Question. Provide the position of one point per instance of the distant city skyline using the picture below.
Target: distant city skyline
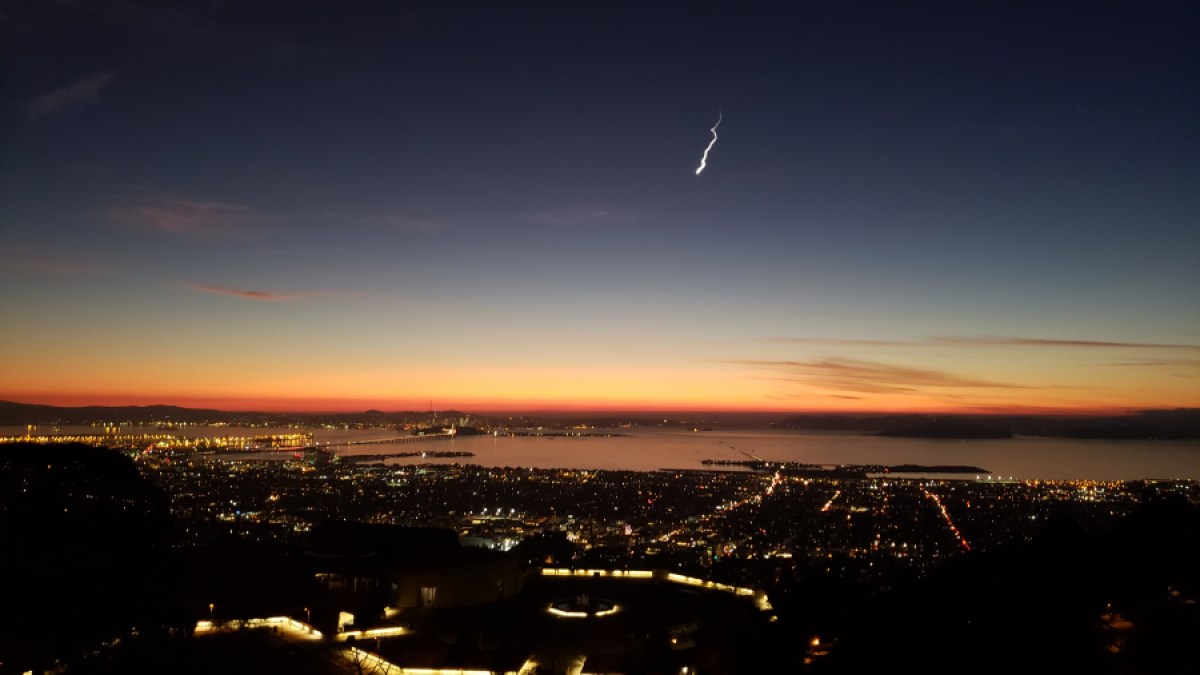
(956, 207)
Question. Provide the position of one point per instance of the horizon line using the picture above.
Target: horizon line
(247, 407)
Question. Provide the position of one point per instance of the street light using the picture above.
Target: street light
(307, 616)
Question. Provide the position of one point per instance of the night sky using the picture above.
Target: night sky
(961, 206)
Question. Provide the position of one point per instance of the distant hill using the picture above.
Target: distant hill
(31, 413)
(945, 429)
(12, 413)
(1182, 423)
(863, 423)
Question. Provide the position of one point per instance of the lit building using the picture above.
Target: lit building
(370, 567)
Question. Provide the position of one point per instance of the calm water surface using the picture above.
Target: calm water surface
(653, 449)
(649, 450)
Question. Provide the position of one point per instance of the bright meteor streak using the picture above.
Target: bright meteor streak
(704, 159)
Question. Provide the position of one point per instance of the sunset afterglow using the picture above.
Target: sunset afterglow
(404, 208)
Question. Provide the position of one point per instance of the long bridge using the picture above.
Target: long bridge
(440, 436)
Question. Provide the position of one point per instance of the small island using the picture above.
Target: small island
(932, 468)
(844, 470)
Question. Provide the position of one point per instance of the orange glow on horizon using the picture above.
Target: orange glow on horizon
(268, 404)
(859, 385)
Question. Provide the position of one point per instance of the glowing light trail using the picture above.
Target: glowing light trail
(704, 159)
(945, 514)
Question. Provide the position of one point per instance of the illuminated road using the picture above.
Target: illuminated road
(726, 507)
(946, 516)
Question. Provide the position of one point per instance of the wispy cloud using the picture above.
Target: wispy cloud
(404, 223)
(867, 377)
(183, 216)
(245, 294)
(849, 342)
(981, 341)
(1045, 342)
(580, 215)
(1157, 363)
(83, 90)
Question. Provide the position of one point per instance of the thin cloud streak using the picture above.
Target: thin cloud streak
(577, 216)
(848, 342)
(838, 384)
(983, 341)
(405, 223)
(1046, 342)
(244, 294)
(184, 216)
(1156, 363)
(868, 377)
(83, 90)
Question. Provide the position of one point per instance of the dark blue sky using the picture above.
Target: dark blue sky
(321, 174)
